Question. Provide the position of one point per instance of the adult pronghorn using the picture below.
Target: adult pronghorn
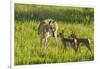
(46, 28)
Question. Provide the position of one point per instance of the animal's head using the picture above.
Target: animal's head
(72, 35)
(52, 27)
(61, 34)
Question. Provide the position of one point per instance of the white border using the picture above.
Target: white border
(12, 34)
(78, 3)
(4, 34)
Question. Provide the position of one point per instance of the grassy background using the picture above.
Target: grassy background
(26, 39)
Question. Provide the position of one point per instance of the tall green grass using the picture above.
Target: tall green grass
(27, 41)
(59, 13)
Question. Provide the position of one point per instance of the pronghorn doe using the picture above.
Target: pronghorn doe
(85, 41)
(65, 41)
(47, 28)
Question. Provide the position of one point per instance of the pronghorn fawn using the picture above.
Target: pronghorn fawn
(66, 41)
(85, 41)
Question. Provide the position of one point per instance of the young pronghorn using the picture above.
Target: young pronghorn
(85, 41)
(47, 28)
(65, 41)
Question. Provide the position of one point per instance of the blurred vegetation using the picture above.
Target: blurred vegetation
(59, 13)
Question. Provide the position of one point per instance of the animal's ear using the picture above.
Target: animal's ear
(53, 21)
(50, 22)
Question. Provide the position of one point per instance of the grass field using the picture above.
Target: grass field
(27, 41)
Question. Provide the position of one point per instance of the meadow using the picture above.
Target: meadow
(27, 48)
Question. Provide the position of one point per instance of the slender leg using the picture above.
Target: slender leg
(64, 48)
(55, 34)
(45, 43)
(41, 42)
(88, 46)
(77, 46)
(89, 49)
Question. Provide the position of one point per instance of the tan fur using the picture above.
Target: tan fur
(47, 28)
